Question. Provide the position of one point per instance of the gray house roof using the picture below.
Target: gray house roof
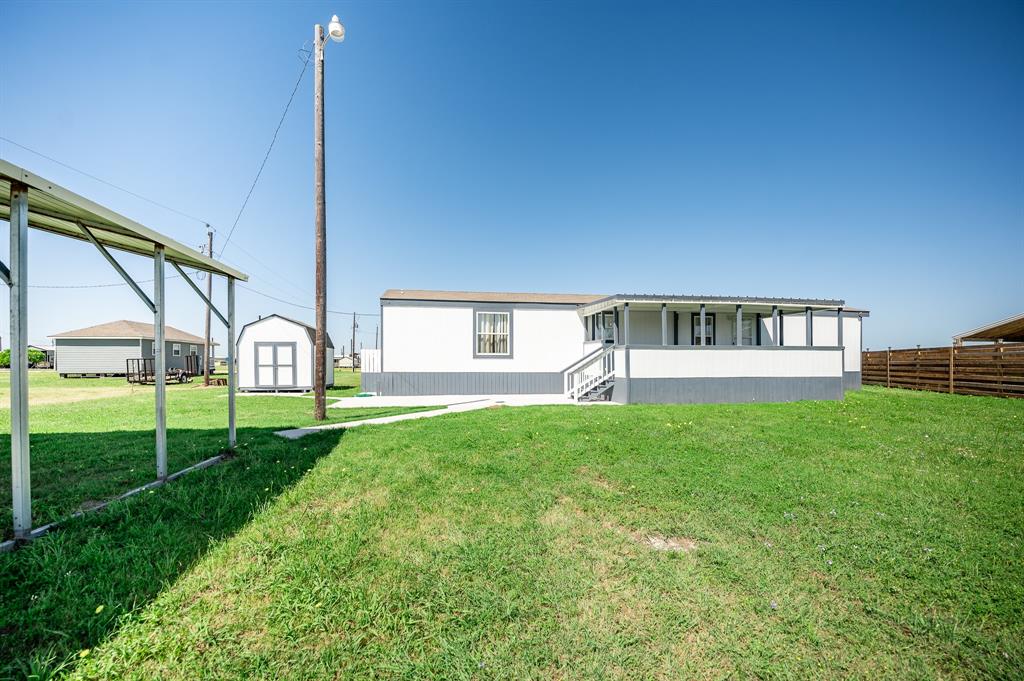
(125, 328)
(490, 296)
(310, 330)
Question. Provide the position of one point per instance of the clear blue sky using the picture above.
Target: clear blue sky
(866, 151)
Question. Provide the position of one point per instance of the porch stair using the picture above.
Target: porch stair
(591, 378)
(602, 392)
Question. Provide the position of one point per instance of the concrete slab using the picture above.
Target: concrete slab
(296, 433)
(439, 400)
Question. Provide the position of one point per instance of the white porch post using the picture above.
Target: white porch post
(703, 326)
(776, 338)
(232, 374)
(739, 325)
(21, 487)
(160, 361)
(616, 340)
(810, 327)
(625, 321)
(664, 324)
(839, 326)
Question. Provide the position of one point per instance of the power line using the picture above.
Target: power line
(259, 172)
(305, 307)
(100, 179)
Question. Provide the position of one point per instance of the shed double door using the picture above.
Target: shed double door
(275, 365)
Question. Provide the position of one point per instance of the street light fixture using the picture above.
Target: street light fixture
(337, 33)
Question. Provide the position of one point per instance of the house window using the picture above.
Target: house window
(493, 335)
(606, 326)
(748, 330)
(176, 349)
(193, 350)
(709, 333)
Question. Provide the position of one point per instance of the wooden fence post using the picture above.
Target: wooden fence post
(999, 365)
(888, 382)
(952, 352)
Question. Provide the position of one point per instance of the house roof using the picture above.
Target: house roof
(1009, 329)
(310, 329)
(54, 209)
(124, 328)
(784, 304)
(490, 297)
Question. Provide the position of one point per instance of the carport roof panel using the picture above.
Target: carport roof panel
(52, 208)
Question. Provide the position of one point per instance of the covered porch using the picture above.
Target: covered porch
(679, 349)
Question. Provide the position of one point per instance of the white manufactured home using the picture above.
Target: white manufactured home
(276, 353)
(627, 348)
(104, 349)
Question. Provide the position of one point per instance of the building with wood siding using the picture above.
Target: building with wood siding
(104, 349)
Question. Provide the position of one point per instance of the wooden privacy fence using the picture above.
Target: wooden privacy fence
(996, 369)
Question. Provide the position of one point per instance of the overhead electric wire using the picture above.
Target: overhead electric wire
(289, 302)
(101, 180)
(259, 172)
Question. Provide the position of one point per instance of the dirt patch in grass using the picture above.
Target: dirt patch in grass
(660, 543)
(597, 480)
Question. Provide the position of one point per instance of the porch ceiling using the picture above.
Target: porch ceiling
(712, 303)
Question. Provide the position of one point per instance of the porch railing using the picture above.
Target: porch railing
(590, 372)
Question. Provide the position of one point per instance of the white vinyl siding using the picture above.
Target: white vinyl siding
(94, 355)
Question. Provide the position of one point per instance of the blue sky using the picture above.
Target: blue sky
(866, 151)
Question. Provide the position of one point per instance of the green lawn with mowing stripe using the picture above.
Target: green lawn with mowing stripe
(879, 537)
(94, 446)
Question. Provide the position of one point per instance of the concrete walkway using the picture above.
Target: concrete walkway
(296, 433)
(448, 404)
(444, 400)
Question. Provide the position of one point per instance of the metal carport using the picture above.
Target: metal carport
(28, 200)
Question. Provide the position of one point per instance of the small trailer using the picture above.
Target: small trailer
(143, 371)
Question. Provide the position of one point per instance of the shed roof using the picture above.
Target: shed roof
(310, 329)
(54, 209)
(490, 297)
(125, 328)
(1009, 329)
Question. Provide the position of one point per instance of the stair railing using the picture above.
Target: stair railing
(590, 372)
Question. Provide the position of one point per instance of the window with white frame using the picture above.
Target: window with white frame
(748, 330)
(606, 326)
(193, 350)
(176, 349)
(493, 333)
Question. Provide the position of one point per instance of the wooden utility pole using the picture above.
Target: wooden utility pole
(376, 337)
(320, 351)
(353, 342)
(209, 296)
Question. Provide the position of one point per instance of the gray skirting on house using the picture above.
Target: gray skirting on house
(463, 383)
(726, 390)
(851, 380)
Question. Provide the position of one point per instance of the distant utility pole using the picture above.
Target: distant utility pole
(209, 296)
(353, 342)
(376, 337)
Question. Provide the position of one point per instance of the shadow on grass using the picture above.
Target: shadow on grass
(121, 557)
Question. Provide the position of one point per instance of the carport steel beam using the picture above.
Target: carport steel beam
(16, 277)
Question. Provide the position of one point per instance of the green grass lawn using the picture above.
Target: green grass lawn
(92, 439)
(879, 537)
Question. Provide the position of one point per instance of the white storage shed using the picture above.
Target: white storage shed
(276, 353)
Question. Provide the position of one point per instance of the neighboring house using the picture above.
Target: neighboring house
(345, 361)
(276, 353)
(631, 348)
(104, 349)
(48, 351)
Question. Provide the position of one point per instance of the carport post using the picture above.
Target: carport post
(21, 488)
(776, 338)
(809, 320)
(664, 324)
(160, 361)
(232, 375)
